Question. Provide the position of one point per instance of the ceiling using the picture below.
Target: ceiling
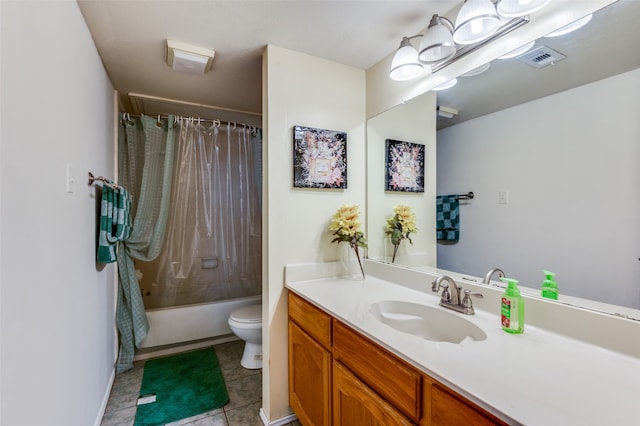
(130, 38)
(608, 45)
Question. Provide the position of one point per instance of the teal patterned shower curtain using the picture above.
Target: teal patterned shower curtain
(146, 154)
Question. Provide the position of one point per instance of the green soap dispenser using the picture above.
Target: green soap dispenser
(512, 308)
(549, 287)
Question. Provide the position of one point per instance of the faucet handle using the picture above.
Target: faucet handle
(466, 301)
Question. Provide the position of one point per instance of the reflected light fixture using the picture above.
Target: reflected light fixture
(446, 85)
(476, 21)
(516, 8)
(437, 43)
(570, 27)
(477, 70)
(519, 51)
(405, 65)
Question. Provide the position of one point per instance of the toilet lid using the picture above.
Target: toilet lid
(252, 313)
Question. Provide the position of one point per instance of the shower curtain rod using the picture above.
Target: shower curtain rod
(127, 117)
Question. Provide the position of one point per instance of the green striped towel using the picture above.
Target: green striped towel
(115, 221)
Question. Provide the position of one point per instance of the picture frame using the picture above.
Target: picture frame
(319, 158)
(404, 166)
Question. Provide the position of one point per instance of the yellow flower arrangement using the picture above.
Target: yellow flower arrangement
(400, 226)
(346, 227)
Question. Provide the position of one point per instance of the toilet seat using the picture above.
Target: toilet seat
(247, 314)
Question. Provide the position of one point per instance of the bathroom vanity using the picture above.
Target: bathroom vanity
(349, 364)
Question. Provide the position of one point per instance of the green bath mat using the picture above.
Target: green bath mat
(184, 385)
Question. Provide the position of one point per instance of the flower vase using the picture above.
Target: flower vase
(393, 252)
(351, 263)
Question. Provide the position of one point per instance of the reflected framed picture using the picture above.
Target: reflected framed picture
(404, 164)
(319, 158)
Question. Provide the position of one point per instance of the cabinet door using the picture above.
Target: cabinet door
(355, 404)
(443, 407)
(309, 378)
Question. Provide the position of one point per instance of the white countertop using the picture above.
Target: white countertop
(536, 378)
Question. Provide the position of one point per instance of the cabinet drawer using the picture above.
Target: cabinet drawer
(311, 319)
(389, 376)
(444, 407)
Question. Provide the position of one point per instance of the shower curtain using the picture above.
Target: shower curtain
(145, 158)
(212, 250)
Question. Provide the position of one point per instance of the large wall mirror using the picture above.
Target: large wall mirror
(551, 155)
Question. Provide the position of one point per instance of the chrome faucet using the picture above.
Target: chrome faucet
(487, 278)
(450, 297)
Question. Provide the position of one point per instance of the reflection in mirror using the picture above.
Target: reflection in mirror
(410, 122)
(555, 179)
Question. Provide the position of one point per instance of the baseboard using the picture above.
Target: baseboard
(159, 351)
(105, 399)
(279, 422)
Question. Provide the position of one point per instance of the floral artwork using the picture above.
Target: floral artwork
(404, 166)
(319, 158)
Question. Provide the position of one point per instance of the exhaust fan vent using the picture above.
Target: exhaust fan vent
(541, 57)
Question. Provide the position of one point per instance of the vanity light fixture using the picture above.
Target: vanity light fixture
(477, 24)
(515, 8)
(405, 64)
(477, 20)
(437, 43)
(570, 27)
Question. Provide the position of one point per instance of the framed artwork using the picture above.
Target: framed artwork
(319, 158)
(404, 164)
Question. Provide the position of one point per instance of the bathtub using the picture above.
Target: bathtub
(183, 324)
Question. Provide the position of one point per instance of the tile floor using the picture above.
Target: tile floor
(244, 388)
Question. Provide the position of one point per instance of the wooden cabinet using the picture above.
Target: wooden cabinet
(309, 363)
(392, 378)
(354, 403)
(339, 377)
(444, 407)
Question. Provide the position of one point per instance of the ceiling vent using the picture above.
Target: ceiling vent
(186, 58)
(541, 57)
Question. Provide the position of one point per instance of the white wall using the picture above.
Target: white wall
(57, 308)
(308, 91)
(570, 165)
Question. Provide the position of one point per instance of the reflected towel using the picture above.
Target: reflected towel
(447, 218)
(115, 221)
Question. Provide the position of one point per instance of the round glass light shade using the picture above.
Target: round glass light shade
(519, 51)
(516, 8)
(405, 65)
(477, 70)
(570, 27)
(476, 21)
(437, 45)
(446, 85)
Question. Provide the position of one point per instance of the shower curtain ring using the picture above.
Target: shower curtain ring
(158, 123)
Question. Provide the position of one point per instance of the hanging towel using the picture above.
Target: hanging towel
(447, 218)
(115, 221)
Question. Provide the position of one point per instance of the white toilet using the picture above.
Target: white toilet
(246, 323)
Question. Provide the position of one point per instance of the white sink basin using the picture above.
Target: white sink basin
(429, 322)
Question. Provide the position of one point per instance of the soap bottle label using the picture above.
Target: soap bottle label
(506, 312)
